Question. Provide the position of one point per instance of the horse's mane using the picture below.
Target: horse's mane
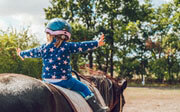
(105, 86)
(111, 89)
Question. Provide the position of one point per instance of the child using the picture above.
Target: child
(56, 59)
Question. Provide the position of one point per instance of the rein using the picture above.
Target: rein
(113, 106)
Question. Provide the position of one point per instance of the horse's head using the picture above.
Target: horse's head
(120, 85)
(111, 90)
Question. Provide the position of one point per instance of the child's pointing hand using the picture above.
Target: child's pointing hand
(18, 50)
(101, 41)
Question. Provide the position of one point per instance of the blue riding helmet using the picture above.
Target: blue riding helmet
(58, 26)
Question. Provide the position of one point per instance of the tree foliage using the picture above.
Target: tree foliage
(9, 61)
(140, 39)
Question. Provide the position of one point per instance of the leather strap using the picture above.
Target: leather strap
(69, 101)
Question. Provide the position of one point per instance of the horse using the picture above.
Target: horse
(111, 90)
(21, 93)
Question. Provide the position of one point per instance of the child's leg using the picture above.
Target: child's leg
(75, 85)
(80, 87)
(88, 95)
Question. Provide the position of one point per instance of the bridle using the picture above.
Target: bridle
(114, 104)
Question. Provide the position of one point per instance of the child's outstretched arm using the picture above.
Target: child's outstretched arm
(101, 41)
(75, 47)
(32, 53)
(18, 50)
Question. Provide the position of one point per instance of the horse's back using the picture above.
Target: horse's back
(20, 93)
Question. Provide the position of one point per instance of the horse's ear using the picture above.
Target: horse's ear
(123, 84)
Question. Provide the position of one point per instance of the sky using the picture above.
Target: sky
(21, 14)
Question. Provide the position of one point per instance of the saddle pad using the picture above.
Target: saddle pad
(77, 102)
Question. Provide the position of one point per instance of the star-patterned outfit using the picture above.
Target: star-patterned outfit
(56, 63)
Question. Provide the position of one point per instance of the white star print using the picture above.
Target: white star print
(53, 77)
(47, 68)
(65, 62)
(64, 71)
(54, 66)
(51, 49)
(31, 53)
(59, 58)
(62, 49)
(50, 60)
(44, 51)
(80, 49)
(64, 77)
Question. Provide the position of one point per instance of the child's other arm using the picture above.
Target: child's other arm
(32, 53)
(75, 47)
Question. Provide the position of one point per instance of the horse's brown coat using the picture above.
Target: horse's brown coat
(111, 91)
(20, 93)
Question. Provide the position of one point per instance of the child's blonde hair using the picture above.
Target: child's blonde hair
(59, 39)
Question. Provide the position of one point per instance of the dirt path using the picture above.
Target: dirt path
(152, 100)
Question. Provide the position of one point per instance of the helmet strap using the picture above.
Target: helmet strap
(58, 32)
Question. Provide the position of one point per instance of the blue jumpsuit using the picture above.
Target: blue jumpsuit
(56, 63)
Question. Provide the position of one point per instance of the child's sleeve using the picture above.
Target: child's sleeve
(32, 53)
(76, 47)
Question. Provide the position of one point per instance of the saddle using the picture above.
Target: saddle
(76, 101)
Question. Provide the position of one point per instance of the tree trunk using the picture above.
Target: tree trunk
(98, 58)
(90, 57)
(111, 61)
(169, 70)
(107, 61)
(112, 50)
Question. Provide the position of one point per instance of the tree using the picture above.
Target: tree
(137, 32)
(9, 61)
(167, 35)
(115, 15)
